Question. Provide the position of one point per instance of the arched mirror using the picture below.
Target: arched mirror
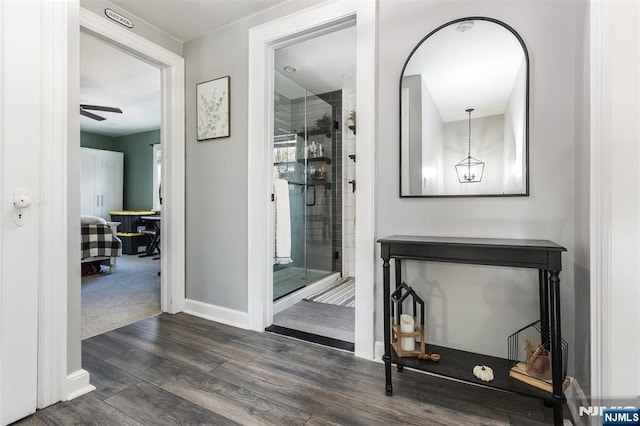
(464, 112)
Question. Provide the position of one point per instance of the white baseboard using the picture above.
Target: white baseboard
(378, 350)
(217, 313)
(293, 298)
(78, 384)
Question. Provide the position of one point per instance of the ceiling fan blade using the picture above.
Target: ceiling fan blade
(90, 115)
(101, 108)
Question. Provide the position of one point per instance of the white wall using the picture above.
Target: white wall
(474, 307)
(216, 170)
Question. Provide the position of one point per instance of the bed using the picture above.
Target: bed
(99, 243)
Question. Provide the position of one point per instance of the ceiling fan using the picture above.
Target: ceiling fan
(84, 108)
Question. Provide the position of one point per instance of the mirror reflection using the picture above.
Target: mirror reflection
(464, 112)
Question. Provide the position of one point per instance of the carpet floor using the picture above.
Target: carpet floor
(130, 294)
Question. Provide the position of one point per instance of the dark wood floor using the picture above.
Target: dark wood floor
(183, 370)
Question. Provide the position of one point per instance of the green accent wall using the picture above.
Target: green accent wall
(138, 169)
(138, 164)
(92, 140)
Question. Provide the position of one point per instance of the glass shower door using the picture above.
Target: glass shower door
(302, 155)
(318, 179)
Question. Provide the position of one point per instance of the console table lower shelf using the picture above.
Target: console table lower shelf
(458, 364)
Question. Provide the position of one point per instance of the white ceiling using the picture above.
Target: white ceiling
(189, 19)
(322, 64)
(111, 77)
(476, 68)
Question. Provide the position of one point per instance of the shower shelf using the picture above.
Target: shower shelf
(315, 132)
(322, 159)
(312, 183)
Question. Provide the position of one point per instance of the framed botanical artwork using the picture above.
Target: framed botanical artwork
(212, 109)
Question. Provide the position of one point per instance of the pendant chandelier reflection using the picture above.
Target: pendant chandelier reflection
(470, 169)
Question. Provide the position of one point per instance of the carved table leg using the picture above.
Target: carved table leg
(556, 347)
(543, 280)
(386, 274)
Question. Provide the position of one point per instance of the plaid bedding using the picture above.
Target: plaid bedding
(97, 240)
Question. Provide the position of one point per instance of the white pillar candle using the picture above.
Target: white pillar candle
(407, 326)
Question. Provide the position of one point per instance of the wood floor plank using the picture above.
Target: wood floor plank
(467, 395)
(365, 389)
(305, 395)
(156, 372)
(107, 378)
(378, 409)
(168, 349)
(225, 333)
(516, 420)
(83, 410)
(32, 420)
(104, 346)
(242, 405)
(146, 366)
(208, 342)
(320, 421)
(151, 405)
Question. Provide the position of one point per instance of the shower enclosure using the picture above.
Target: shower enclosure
(305, 154)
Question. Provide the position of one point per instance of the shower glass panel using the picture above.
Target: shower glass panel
(302, 155)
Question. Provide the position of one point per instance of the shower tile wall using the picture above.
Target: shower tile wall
(282, 123)
(349, 197)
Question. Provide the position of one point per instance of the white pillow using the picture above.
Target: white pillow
(92, 220)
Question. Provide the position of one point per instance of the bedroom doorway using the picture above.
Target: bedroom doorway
(120, 98)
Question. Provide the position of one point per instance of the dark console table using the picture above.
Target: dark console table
(545, 256)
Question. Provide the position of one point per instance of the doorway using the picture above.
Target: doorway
(120, 98)
(313, 288)
(172, 263)
(264, 40)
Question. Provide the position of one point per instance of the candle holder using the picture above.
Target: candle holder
(406, 328)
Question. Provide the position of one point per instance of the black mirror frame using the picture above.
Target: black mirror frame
(526, 144)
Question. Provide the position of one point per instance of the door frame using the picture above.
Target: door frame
(59, 306)
(263, 40)
(172, 142)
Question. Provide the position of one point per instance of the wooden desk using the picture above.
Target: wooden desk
(545, 256)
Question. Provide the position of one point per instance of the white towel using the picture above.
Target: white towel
(282, 222)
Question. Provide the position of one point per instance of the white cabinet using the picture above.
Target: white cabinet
(101, 182)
